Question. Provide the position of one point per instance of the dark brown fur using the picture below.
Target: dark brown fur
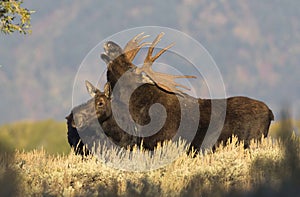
(244, 117)
(74, 138)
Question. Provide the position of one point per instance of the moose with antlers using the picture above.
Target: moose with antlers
(182, 115)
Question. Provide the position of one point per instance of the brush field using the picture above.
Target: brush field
(271, 167)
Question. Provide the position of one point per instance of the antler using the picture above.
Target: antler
(164, 81)
(133, 46)
(113, 50)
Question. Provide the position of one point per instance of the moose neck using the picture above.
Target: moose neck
(117, 68)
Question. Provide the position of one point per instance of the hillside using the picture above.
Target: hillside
(48, 135)
(254, 43)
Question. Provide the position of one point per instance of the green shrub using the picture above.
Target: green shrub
(48, 134)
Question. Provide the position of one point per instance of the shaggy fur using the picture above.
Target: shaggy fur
(73, 137)
(244, 117)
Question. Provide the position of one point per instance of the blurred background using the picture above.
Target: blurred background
(256, 45)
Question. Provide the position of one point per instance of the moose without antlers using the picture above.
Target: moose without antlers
(244, 117)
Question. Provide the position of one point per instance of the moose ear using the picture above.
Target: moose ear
(70, 120)
(90, 88)
(107, 90)
(105, 58)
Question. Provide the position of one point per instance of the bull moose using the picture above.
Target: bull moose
(182, 115)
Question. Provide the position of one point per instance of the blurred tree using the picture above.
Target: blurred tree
(13, 17)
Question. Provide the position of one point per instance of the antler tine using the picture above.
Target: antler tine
(162, 51)
(164, 81)
(138, 39)
(137, 36)
(132, 53)
(149, 58)
(184, 76)
(133, 46)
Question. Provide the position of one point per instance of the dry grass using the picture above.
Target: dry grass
(230, 170)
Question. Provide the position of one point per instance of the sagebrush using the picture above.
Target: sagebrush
(271, 166)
